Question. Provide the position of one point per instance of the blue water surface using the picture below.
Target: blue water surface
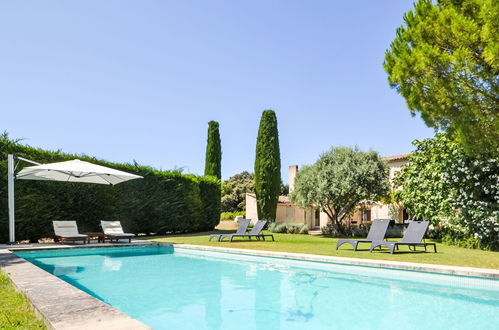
(175, 288)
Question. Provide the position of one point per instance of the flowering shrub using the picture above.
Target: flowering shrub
(459, 194)
(476, 198)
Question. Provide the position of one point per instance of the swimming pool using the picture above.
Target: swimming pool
(176, 288)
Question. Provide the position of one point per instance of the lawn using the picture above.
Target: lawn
(16, 311)
(447, 255)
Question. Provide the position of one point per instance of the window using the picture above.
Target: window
(366, 215)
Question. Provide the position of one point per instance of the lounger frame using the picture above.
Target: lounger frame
(67, 230)
(377, 232)
(413, 237)
(255, 232)
(63, 239)
(241, 229)
(118, 234)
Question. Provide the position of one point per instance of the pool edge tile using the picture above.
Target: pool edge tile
(400, 265)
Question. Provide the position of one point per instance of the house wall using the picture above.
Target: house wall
(324, 219)
(251, 212)
(289, 212)
(286, 212)
(292, 171)
(396, 166)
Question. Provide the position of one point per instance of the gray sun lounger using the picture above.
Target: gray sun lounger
(377, 232)
(414, 236)
(243, 227)
(255, 232)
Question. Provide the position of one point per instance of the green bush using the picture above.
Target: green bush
(333, 230)
(457, 193)
(161, 202)
(330, 230)
(231, 215)
(395, 231)
(288, 228)
(210, 190)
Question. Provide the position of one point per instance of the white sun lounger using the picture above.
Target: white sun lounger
(68, 231)
(114, 231)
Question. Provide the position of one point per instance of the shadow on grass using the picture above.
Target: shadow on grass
(203, 233)
(247, 241)
(386, 251)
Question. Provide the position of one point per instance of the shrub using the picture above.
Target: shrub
(357, 231)
(277, 227)
(288, 228)
(303, 230)
(453, 190)
(331, 230)
(231, 215)
(395, 231)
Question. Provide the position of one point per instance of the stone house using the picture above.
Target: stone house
(314, 219)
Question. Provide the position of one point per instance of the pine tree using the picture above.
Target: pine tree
(445, 62)
(213, 163)
(267, 167)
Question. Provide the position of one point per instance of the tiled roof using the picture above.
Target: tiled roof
(396, 157)
(284, 200)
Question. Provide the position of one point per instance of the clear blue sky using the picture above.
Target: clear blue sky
(139, 80)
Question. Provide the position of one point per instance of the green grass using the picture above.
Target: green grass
(447, 255)
(16, 311)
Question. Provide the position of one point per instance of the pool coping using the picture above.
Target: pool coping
(62, 305)
(399, 265)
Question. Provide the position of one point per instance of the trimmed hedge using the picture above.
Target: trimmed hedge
(162, 202)
(211, 190)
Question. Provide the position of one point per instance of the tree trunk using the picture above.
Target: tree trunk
(333, 214)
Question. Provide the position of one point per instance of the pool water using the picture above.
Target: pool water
(175, 288)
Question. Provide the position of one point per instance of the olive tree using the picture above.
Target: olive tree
(340, 179)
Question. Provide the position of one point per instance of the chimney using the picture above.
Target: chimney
(293, 169)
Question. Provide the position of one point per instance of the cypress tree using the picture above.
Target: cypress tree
(267, 167)
(213, 163)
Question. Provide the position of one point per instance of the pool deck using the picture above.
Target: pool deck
(65, 307)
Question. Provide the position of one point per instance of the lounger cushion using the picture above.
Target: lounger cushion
(66, 229)
(113, 228)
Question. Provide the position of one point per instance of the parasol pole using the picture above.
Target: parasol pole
(10, 176)
(10, 188)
